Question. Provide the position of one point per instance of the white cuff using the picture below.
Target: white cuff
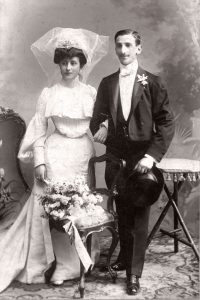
(38, 154)
(149, 156)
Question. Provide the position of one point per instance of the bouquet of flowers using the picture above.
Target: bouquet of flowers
(63, 199)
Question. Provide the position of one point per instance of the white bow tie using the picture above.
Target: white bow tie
(124, 72)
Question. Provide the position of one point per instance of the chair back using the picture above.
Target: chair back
(13, 187)
(112, 192)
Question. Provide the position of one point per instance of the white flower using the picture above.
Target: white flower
(72, 198)
(92, 199)
(82, 188)
(56, 189)
(75, 197)
(85, 196)
(80, 201)
(58, 214)
(53, 205)
(99, 198)
(70, 187)
(54, 197)
(64, 200)
(143, 79)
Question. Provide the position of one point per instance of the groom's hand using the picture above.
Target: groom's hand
(145, 164)
(101, 135)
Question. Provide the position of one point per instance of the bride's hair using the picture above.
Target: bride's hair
(61, 53)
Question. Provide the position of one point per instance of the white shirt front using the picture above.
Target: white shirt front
(126, 82)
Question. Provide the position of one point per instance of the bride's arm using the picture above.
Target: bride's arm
(41, 124)
(101, 134)
(32, 146)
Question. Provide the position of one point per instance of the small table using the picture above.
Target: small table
(177, 170)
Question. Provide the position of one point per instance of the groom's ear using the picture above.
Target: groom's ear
(139, 49)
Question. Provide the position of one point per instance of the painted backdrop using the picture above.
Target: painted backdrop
(170, 34)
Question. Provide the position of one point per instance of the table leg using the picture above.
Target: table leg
(173, 201)
(159, 221)
(175, 198)
(191, 242)
(180, 220)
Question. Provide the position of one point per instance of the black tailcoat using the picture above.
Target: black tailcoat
(148, 130)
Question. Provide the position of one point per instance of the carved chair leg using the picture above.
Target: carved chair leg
(82, 280)
(115, 239)
(89, 249)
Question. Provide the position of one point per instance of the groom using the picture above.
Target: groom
(138, 128)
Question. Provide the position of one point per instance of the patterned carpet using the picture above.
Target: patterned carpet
(166, 275)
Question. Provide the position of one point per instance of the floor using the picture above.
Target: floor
(166, 275)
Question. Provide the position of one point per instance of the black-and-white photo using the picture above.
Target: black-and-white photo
(99, 149)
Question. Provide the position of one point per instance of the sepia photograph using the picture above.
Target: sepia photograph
(99, 149)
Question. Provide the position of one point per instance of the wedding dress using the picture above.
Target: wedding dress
(28, 247)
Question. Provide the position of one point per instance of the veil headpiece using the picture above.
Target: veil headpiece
(93, 45)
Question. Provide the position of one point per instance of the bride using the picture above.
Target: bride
(28, 248)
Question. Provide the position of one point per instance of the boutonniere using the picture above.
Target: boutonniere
(143, 79)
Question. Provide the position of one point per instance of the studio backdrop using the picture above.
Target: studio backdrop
(171, 48)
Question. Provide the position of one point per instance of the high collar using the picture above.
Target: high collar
(129, 68)
(71, 83)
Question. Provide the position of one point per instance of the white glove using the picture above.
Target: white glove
(145, 164)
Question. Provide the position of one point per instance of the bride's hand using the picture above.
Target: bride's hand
(101, 135)
(40, 172)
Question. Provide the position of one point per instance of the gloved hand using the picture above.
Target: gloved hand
(145, 164)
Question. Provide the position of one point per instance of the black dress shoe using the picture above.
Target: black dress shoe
(133, 285)
(117, 266)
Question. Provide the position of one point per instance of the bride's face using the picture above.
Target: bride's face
(70, 68)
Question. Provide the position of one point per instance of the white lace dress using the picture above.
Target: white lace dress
(28, 247)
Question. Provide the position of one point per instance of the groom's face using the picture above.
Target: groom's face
(126, 49)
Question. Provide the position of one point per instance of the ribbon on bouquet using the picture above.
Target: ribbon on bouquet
(71, 230)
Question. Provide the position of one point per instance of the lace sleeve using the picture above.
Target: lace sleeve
(32, 146)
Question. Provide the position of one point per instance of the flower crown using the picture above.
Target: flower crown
(68, 44)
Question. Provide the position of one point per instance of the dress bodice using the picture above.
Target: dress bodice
(74, 103)
(70, 110)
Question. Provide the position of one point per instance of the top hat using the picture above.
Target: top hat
(144, 189)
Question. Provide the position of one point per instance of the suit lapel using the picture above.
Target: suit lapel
(114, 86)
(137, 89)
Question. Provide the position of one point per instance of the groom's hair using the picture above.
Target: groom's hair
(62, 53)
(134, 33)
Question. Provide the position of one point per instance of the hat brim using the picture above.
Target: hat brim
(143, 190)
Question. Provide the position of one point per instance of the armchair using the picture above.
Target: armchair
(13, 187)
